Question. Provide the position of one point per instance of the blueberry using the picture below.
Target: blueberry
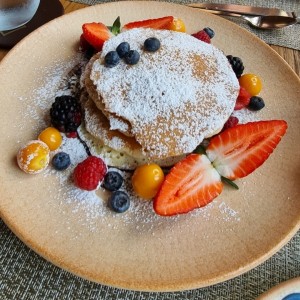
(61, 161)
(256, 103)
(112, 181)
(209, 31)
(123, 49)
(151, 44)
(119, 201)
(112, 59)
(132, 57)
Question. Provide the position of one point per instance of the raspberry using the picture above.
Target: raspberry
(231, 122)
(242, 100)
(202, 36)
(89, 173)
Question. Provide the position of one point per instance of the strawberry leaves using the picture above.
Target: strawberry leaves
(116, 27)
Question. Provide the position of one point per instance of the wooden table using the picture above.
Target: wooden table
(291, 56)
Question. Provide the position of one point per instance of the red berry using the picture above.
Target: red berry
(89, 173)
(83, 43)
(202, 36)
(191, 183)
(72, 135)
(159, 23)
(96, 34)
(238, 151)
(242, 100)
(231, 122)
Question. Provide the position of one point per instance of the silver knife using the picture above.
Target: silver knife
(243, 9)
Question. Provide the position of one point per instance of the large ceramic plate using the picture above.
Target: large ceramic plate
(138, 250)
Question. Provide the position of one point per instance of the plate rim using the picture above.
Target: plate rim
(221, 278)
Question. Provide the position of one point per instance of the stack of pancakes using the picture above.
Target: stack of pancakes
(165, 105)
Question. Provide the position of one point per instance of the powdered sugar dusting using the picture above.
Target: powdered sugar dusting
(94, 204)
(168, 118)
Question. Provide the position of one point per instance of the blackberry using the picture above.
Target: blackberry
(151, 44)
(236, 64)
(66, 114)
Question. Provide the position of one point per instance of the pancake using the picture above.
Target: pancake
(97, 125)
(172, 98)
(115, 122)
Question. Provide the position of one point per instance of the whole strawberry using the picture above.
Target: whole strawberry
(204, 35)
(89, 173)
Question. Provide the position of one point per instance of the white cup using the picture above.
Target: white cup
(15, 13)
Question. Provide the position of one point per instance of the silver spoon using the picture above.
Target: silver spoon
(261, 22)
(269, 22)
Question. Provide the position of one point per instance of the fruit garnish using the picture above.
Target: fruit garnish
(89, 173)
(96, 34)
(123, 49)
(132, 57)
(198, 179)
(66, 114)
(243, 99)
(147, 179)
(251, 83)
(239, 150)
(231, 122)
(204, 35)
(112, 181)
(236, 64)
(151, 44)
(116, 27)
(119, 201)
(177, 25)
(52, 137)
(191, 183)
(159, 23)
(111, 59)
(33, 157)
(256, 103)
(61, 161)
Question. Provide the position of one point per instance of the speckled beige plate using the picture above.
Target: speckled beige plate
(138, 250)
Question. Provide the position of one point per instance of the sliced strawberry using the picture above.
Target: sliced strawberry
(96, 34)
(238, 151)
(243, 99)
(191, 183)
(159, 23)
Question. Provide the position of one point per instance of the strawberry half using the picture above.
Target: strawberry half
(191, 183)
(96, 34)
(239, 150)
(159, 23)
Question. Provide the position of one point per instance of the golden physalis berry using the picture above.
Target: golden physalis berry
(52, 137)
(177, 25)
(33, 157)
(147, 179)
(251, 83)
